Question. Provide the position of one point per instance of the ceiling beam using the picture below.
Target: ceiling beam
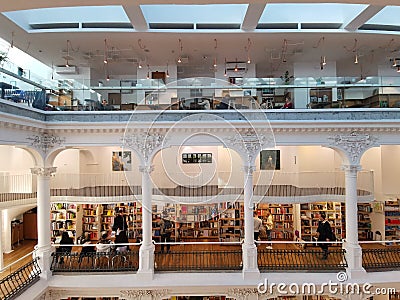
(253, 14)
(135, 15)
(363, 17)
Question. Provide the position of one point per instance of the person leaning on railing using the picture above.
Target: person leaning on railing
(104, 245)
(65, 240)
(121, 238)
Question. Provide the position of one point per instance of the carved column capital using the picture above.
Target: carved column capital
(249, 143)
(146, 169)
(353, 144)
(47, 172)
(351, 168)
(144, 143)
(249, 169)
(45, 142)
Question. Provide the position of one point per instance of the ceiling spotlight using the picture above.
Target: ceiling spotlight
(180, 51)
(167, 71)
(105, 51)
(236, 67)
(356, 59)
(394, 62)
(324, 60)
(67, 64)
(225, 69)
(247, 48)
(398, 69)
(108, 78)
(215, 62)
(140, 65)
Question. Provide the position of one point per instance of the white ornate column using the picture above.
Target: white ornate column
(352, 146)
(353, 248)
(146, 252)
(146, 145)
(43, 246)
(250, 267)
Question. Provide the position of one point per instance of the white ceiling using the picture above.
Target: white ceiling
(273, 35)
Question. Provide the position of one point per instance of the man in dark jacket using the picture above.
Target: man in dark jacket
(324, 232)
(119, 221)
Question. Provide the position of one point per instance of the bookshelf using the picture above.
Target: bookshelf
(64, 217)
(231, 221)
(309, 219)
(135, 222)
(392, 219)
(282, 215)
(108, 215)
(197, 222)
(364, 222)
(91, 220)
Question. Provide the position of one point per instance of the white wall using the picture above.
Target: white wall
(15, 160)
(390, 169)
(372, 160)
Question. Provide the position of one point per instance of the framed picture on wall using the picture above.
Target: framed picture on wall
(196, 158)
(270, 160)
(121, 161)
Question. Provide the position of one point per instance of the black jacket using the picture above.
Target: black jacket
(325, 231)
(120, 223)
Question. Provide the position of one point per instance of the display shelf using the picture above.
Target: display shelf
(231, 221)
(364, 222)
(282, 215)
(309, 218)
(64, 217)
(197, 222)
(91, 221)
(392, 219)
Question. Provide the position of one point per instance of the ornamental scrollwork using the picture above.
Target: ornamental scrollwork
(144, 143)
(45, 142)
(43, 171)
(138, 294)
(354, 144)
(242, 293)
(250, 143)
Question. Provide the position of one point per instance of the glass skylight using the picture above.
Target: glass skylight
(387, 16)
(68, 15)
(310, 13)
(214, 13)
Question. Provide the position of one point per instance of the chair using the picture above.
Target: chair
(378, 236)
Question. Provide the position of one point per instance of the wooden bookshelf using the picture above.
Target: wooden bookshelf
(392, 219)
(231, 221)
(309, 218)
(282, 215)
(91, 220)
(64, 217)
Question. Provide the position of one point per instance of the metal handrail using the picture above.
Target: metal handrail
(17, 282)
